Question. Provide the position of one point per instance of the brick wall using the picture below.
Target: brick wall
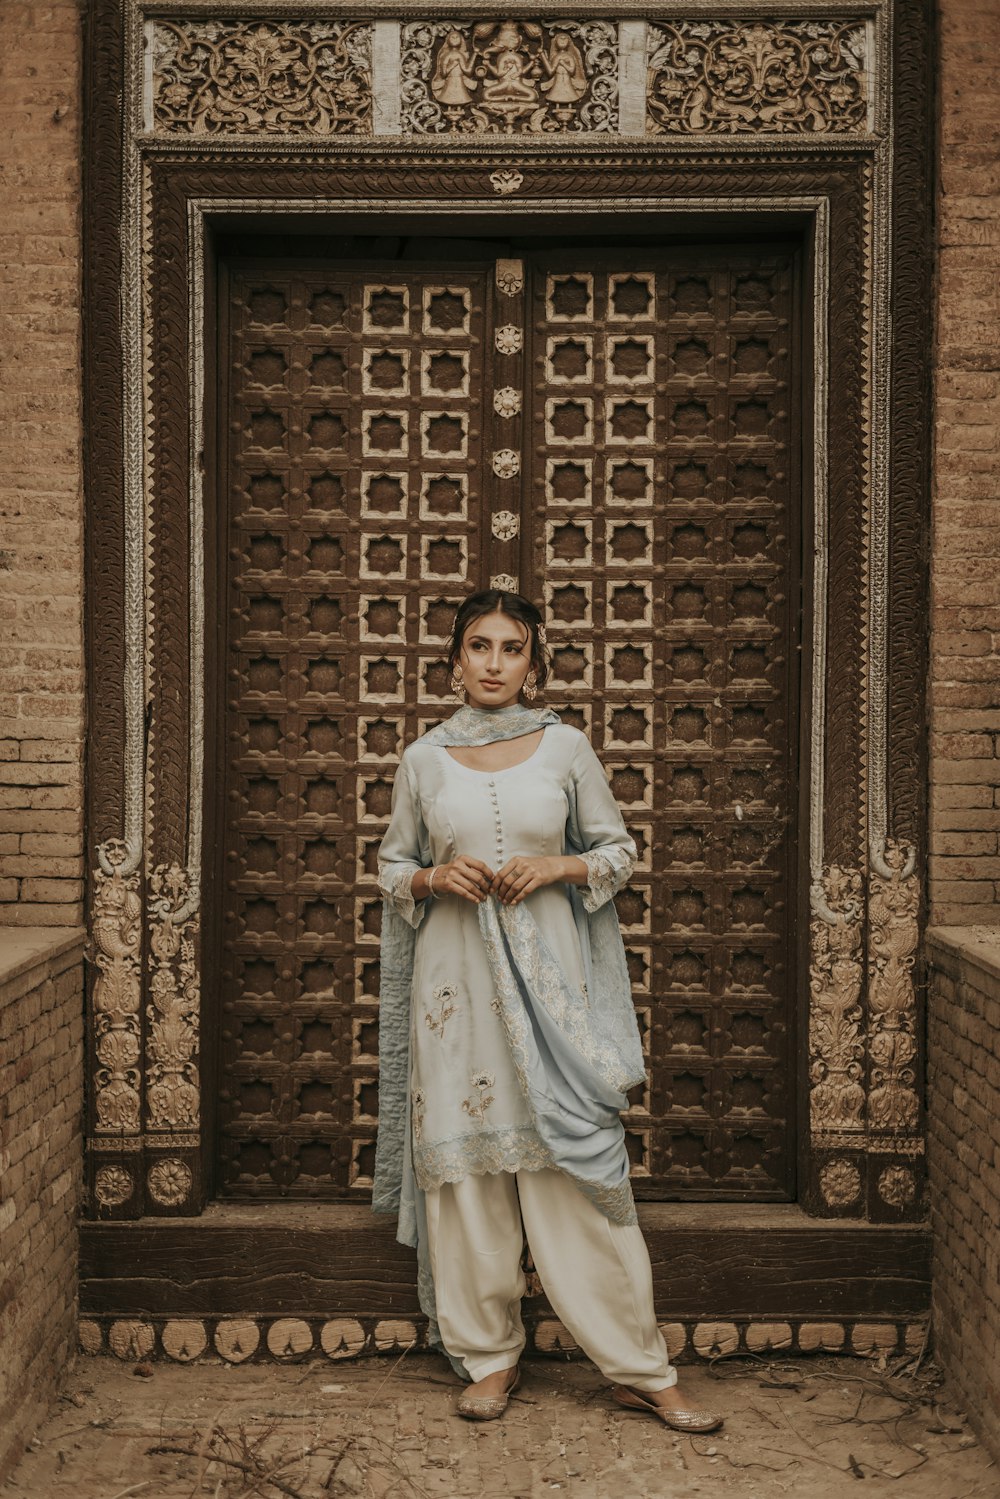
(965, 641)
(41, 1104)
(41, 537)
(964, 1145)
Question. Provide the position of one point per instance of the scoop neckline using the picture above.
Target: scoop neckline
(519, 765)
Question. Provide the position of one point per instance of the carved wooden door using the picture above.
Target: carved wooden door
(663, 470)
(383, 456)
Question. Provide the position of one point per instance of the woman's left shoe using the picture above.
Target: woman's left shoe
(680, 1420)
(487, 1407)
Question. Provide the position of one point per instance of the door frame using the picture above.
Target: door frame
(152, 204)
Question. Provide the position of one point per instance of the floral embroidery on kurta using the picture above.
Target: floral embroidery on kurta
(419, 1103)
(442, 1008)
(479, 1099)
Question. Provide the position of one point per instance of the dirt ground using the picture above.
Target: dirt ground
(814, 1428)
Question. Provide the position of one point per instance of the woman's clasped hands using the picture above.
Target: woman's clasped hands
(520, 876)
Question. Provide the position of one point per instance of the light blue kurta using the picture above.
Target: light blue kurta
(514, 1063)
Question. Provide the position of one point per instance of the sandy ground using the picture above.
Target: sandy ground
(807, 1427)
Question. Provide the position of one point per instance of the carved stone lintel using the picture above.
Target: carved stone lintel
(228, 76)
(757, 77)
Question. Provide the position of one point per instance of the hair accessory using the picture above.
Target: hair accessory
(542, 640)
(530, 688)
(458, 686)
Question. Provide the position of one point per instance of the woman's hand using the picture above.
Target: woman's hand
(527, 872)
(469, 878)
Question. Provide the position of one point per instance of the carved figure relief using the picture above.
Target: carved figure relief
(509, 76)
(116, 931)
(172, 1045)
(836, 1045)
(785, 77)
(275, 77)
(892, 915)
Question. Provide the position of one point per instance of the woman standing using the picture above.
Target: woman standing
(508, 1038)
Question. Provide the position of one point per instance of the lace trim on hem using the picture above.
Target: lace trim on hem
(486, 1153)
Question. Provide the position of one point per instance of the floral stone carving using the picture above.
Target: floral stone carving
(169, 1182)
(836, 1045)
(761, 77)
(116, 936)
(894, 932)
(507, 77)
(273, 77)
(173, 1015)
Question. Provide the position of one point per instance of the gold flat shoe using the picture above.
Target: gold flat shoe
(487, 1407)
(635, 1400)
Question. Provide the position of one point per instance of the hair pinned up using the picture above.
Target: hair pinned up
(515, 606)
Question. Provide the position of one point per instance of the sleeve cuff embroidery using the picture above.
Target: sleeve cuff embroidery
(605, 878)
(398, 886)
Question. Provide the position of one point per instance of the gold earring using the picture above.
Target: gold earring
(458, 686)
(530, 688)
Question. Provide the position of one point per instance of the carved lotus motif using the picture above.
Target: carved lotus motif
(112, 1186)
(169, 1182)
(505, 525)
(508, 339)
(507, 401)
(506, 463)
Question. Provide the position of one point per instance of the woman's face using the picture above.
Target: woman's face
(494, 660)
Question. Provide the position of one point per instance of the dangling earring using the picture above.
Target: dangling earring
(458, 686)
(530, 687)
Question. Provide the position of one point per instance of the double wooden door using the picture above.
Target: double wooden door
(617, 435)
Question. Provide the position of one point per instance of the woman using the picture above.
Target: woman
(508, 1038)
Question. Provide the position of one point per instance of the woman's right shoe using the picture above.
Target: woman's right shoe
(691, 1421)
(487, 1407)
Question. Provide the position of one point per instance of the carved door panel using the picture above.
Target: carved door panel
(354, 457)
(383, 456)
(663, 474)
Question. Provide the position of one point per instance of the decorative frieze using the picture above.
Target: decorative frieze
(759, 77)
(269, 77)
(508, 77)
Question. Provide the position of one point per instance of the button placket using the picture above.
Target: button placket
(496, 817)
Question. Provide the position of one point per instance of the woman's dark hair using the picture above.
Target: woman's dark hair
(515, 606)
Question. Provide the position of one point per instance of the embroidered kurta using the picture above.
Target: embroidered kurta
(487, 1086)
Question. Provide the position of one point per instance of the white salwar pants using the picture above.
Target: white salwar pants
(596, 1275)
